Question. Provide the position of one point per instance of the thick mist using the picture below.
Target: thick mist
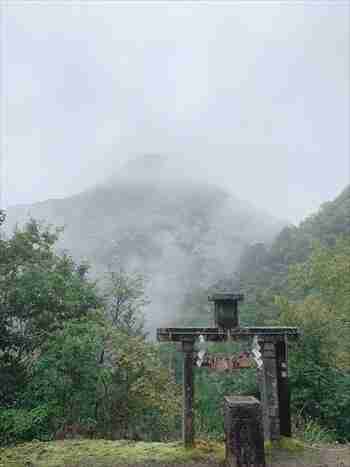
(254, 96)
(182, 234)
(169, 136)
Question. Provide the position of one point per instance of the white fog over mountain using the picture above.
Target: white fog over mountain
(168, 136)
(174, 233)
(254, 95)
(181, 234)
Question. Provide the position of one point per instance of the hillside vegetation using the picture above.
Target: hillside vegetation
(264, 270)
(74, 356)
(303, 280)
(181, 234)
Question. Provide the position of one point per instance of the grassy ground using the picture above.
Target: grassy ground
(103, 453)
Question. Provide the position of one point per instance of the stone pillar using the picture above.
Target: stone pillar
(263, 399)
(188, 392)
(269, 390)
(283, 388)
(244, 432)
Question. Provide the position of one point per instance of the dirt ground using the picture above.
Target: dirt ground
(312, 456)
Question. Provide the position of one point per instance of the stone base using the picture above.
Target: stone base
(244, 432)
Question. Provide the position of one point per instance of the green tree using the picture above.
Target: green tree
(318, 302)
(73, 391)
(39, 291)
(2, 217)
(141, 398)
(63, 386)
(125, 301)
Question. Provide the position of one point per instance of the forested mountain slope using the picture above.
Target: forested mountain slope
(263, 270)
(180, 233)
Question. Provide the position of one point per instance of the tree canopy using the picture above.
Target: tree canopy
(74, 360)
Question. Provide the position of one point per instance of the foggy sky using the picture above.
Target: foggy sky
(254, 94)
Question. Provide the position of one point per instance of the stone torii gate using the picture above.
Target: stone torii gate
(272, 377)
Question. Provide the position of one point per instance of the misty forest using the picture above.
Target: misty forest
(78, 313)
(88, 275)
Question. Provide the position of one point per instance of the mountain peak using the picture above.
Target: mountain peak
(148, 166)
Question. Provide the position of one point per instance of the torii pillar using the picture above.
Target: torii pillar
(188, 393)
(273, 380)
(273, 386)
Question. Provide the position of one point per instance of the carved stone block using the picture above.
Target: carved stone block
(244, 432)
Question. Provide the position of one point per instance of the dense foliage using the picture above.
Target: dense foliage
(263, 271)
(318, 302)
(39, 291)
(71, 362)
(304, 280)
(74, 359)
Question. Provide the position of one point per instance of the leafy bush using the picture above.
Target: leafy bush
(24, 424)
(93, 380)
(312, 432)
